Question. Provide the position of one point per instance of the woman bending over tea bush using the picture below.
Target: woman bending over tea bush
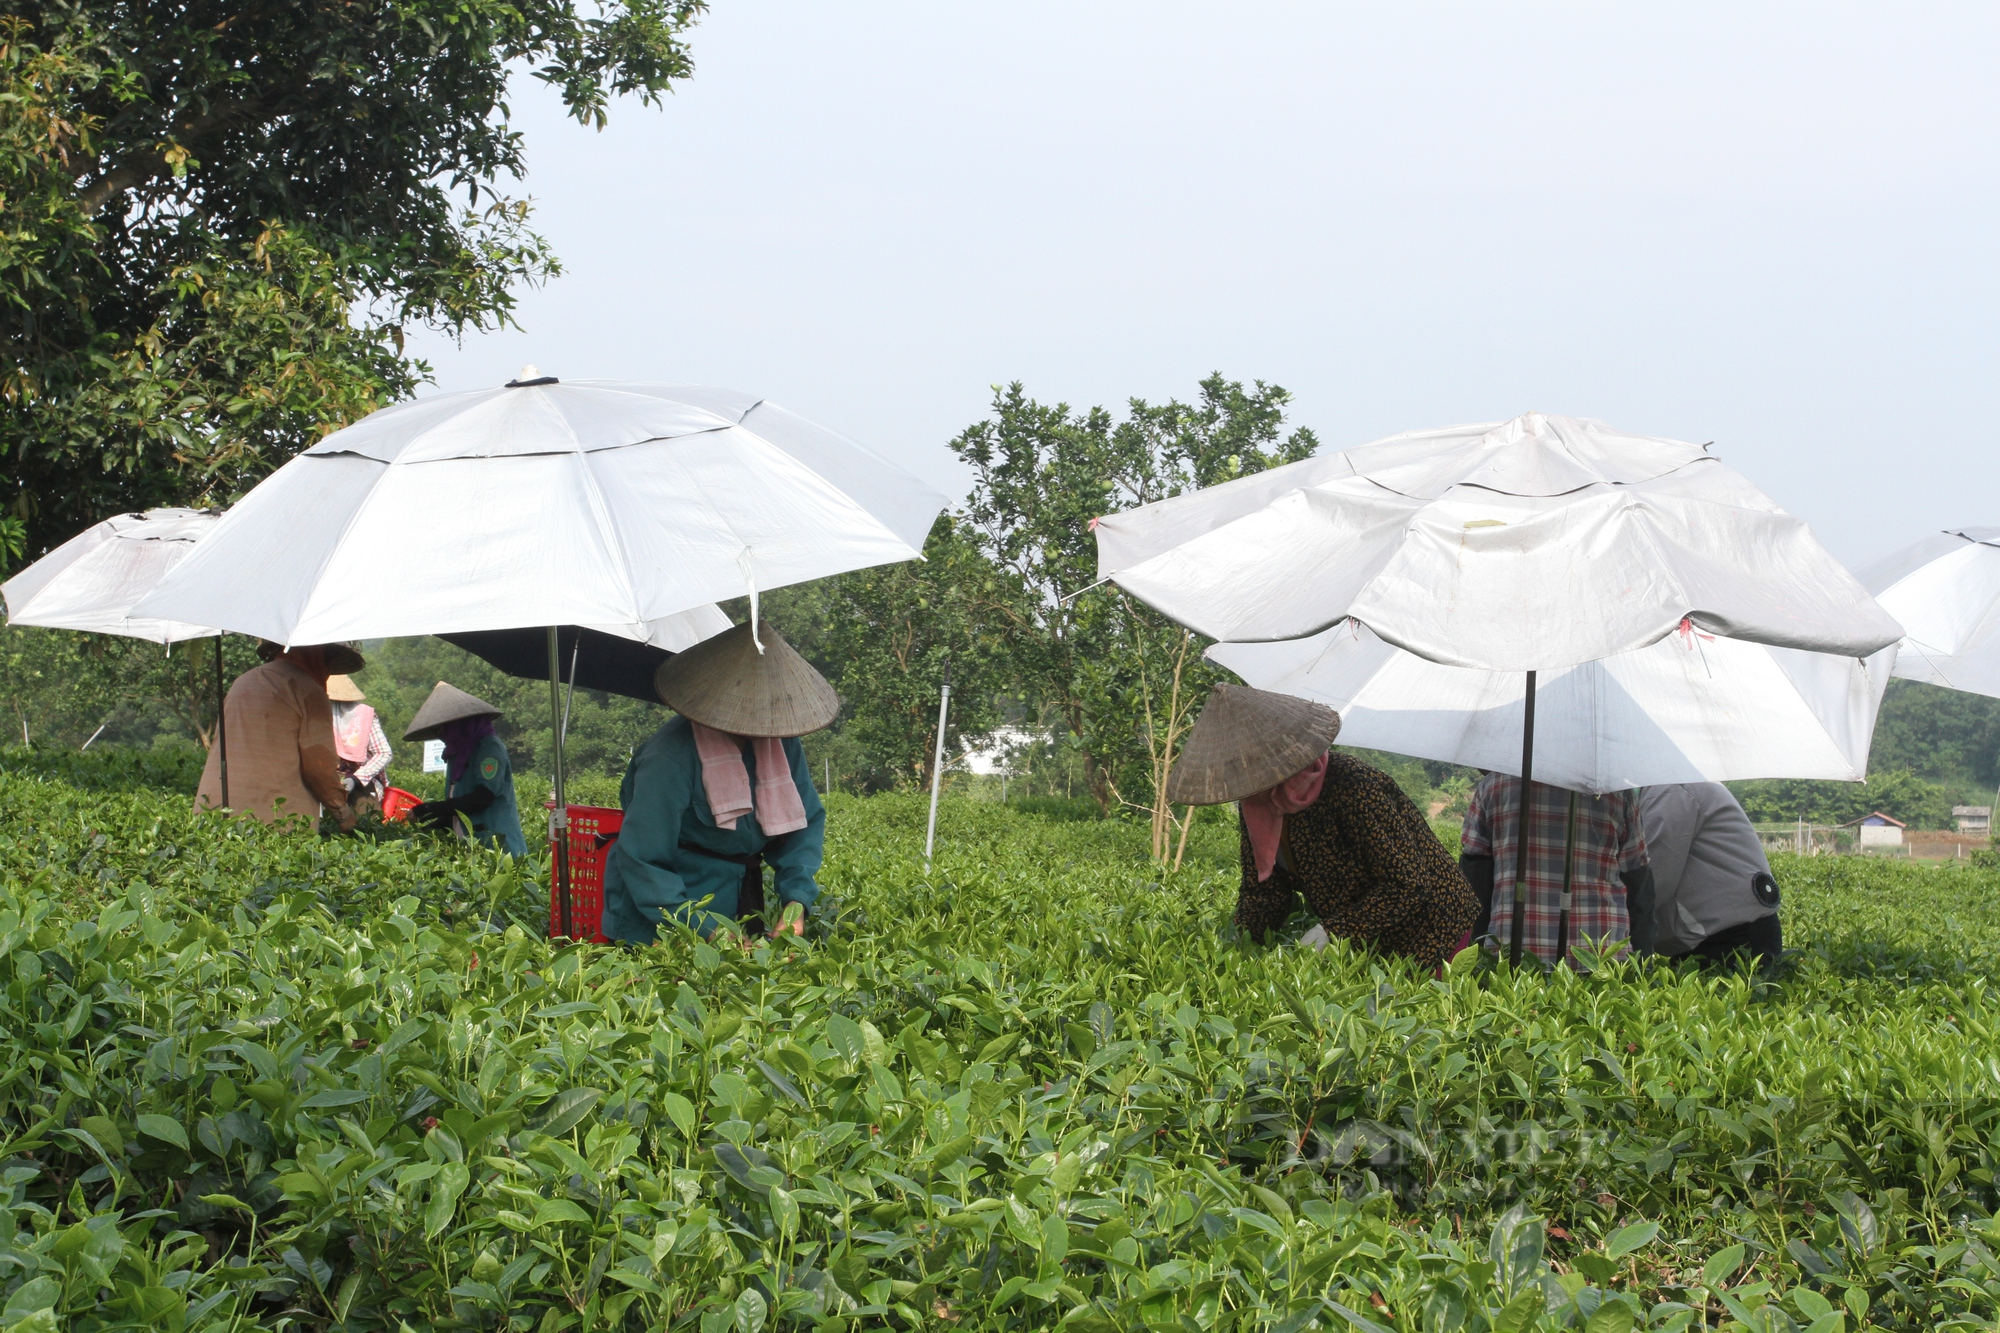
(1324, 827)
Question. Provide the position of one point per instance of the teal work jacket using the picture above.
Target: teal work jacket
(499, 824)
(649, 879)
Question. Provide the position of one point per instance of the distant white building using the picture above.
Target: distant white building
(1973, 818)
(1878, 830)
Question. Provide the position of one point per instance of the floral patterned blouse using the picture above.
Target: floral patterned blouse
(1368, 866)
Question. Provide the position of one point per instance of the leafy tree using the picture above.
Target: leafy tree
(61, 688)
(217, 218)
(1946, 735)
(884, 637)
(1120, 678)
(1899, 794)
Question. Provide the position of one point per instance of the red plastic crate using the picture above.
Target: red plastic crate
(589, 849)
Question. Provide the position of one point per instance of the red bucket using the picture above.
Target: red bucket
(397, 804)
(592, 829)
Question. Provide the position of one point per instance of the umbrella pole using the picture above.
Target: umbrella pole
(1521, 834)
(221, 723)
(559, 817)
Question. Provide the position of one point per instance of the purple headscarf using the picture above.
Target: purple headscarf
(460, 738)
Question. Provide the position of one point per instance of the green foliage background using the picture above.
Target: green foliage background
(216, 220)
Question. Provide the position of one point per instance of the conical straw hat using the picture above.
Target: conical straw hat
(343, 690)
(1247, 741)
(446, 705)
(725, 683)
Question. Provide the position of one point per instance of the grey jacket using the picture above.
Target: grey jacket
(1709, 869)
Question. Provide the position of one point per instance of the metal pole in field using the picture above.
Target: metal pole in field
(937, 766)
(558, 817)
(221, 725)
(1521, 834)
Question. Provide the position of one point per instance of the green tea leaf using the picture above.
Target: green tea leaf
(1360, 1321)
(1628, 1239)
(105, 1130)
(681, 1111)
(750, 1311)
(568, 1109)
(944, 1154)
(784, 1086)
(1614, 1316)
(40, 1293)
(569, 1009)
(1722, 1266)
(844, 1035)
(784, 1210)
(559, 1210)
(449, 1183)
(1024, 1223)
(163, 1128)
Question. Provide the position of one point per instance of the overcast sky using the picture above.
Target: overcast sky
(1773, 228)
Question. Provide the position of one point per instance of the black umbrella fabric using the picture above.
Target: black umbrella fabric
(603, 661)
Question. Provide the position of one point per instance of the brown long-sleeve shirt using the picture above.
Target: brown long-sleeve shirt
(282, 764)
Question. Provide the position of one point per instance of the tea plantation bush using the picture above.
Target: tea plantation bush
(254, 1081)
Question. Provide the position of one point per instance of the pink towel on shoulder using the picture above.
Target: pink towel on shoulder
(727, 781)
(1264, 814)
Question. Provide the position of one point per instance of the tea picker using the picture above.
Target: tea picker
(721, 791)
(479, 773)
(1321, 826)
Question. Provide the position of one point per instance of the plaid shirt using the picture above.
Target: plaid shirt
(1608, 839)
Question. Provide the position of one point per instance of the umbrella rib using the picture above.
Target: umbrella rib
(520, 453)
(1535, 495)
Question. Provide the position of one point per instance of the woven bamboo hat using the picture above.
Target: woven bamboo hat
(725, 683)
(447, 704)
(343, 690)
(1247, 741)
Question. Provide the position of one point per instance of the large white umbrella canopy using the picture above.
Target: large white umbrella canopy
(92, 581)
(1532, 544)
(546, 503)
(1689, 708)
(1945, 590)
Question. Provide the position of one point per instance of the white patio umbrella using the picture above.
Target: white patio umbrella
(544, 503)
(1537, 544)
(1689, 708)
(1946, 591)
(91, 582)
